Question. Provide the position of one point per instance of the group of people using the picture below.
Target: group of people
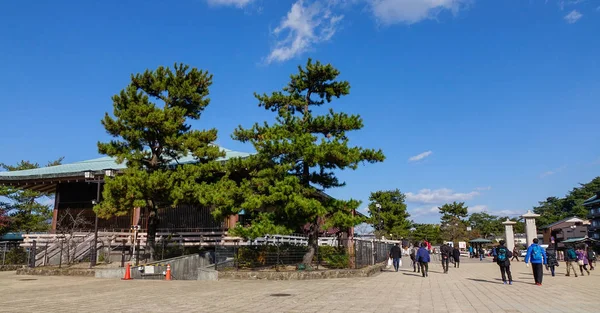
(538, 258)
(420, 257)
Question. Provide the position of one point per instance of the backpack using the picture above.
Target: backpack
(501, 254)
(536, 253)
(571, 254)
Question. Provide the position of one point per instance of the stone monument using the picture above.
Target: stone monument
(530, 228)
(510, 234)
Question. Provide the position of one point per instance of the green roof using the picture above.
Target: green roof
(480, 240)
(593, 200)
(580, 239)
(96, 165)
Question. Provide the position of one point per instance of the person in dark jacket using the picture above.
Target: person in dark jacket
(552, 260)
(502, 257)
(456, 255)
(591, 254)
(423, 258)
(396, 254)
(445, 251)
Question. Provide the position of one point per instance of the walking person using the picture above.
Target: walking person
(445, 251)
(395, 255)
(503, 260)
(413, 258)
(591, 254)
(471, 252)
(537, 256)
(481, 254)
(582, 260)
(552, 261)
(515, 254)
(423, 258)
(456, 256)
(570, 258)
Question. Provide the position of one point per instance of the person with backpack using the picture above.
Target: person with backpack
(445, 251)
(552, 261)
(423, 258)
(570, 257)
(537, 256)
(502, 257)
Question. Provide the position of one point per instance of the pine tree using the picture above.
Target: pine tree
(151, 140)
(391, 217)
(298, 155)
(453, 226)
(23, 210)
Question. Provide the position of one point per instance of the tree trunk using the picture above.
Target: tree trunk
(313, 244)
(152, 228)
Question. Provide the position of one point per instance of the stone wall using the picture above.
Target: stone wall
(302, 275)
(7, 268)
(53, 271)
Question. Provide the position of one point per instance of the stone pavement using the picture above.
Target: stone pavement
(475, 287)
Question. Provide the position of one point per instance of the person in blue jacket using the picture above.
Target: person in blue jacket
(423, 259)
(537, 255)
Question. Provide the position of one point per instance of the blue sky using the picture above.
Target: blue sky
(490, 102)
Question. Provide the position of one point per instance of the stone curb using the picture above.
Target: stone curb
(56, 272)
(303, 275)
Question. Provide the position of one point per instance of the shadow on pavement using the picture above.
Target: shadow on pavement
(498, 281)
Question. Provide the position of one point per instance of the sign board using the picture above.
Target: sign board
(149, 269)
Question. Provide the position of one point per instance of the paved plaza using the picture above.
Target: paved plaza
(475, 287)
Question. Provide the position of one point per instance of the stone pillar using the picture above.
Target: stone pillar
(510, 235)
(530, 228)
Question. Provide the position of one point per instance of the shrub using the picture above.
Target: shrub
(334, 257)
(16, 256)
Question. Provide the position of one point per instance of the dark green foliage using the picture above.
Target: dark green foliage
(16, 256)
(429, 232)
(150, 139)
(298, 156)
(452, 224)
(392, 217)
(486, 224)
(334, 257)
(554, 209)
(23, 211)
(260, 226)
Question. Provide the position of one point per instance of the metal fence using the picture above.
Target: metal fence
(289, 257)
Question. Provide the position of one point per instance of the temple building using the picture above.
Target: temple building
(77, 186)
(593, 204)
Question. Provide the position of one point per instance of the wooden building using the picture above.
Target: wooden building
(75, 192)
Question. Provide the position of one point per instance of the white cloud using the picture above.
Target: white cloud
(552, 172)
(507, 212)
(235, 3)
(477, 209)
(420, 156)
(573, 17)
(412, 11)
(484, 188)
(421, 211)
(305, 26)
(439, 196)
